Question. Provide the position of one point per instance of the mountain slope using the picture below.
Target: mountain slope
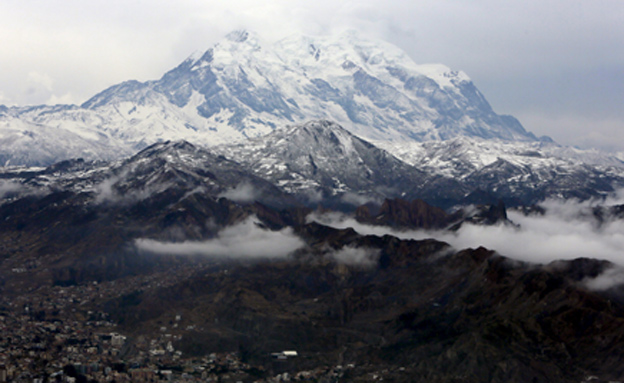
(38, 136)
(162, 172)
(519, 172)
(322, 160)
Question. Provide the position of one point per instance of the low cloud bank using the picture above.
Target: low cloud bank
(243, 241)
(567, 230)
(242, 193)
(353, 256)
(609, 278)
(342, 221)
(13, 189)
(9, 187)
(357, 199)
(105, 191)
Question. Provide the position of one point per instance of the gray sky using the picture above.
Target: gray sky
(556, 65)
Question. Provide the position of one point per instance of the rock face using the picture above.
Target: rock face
(416, 214)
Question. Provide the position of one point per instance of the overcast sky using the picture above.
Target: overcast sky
(556, 65)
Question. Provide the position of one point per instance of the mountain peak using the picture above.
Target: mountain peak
(238, 36)
(167, 149)
(241, 38)
(322, 158)
(247, 88)
(321, 136)
(195, 56)
(316, 127)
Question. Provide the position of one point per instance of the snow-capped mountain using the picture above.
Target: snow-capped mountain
(322, 160)
(243, 87)
(526, 171)
(371, 88)
(322, 157)
(459, 156)
(45, 134)
(169, 170)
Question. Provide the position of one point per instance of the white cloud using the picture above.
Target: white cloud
(609, 278)
(566, 231)
(356, 199)
(243, 193)
(356, 256)
(314, 196)
(600, 132)
(65, 99)
(246, 240)
(9, 187)
(40, 79)
(105, 191)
